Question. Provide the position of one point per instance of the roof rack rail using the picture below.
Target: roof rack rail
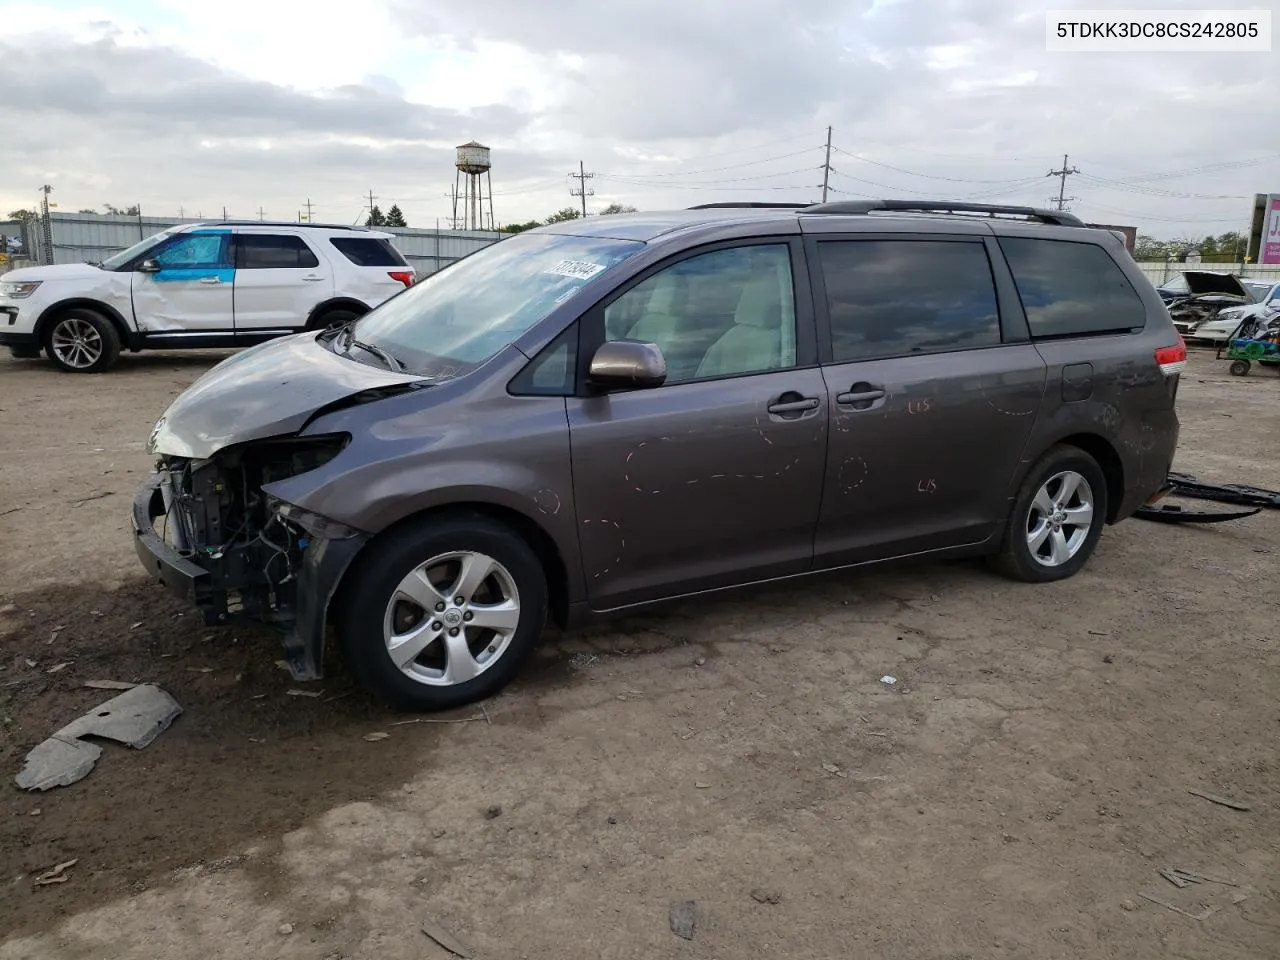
(281, 223)
(751, 204)
(1058, 218)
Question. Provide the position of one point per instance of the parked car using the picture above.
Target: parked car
(1266, 306)
(594, 416)
(1196, 297)
(219, 284)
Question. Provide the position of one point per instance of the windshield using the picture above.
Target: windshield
(452, 321)
(1177, 285)
(124, 256)
(1258, 290)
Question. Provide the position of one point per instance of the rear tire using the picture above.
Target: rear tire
(441, 648)
(82, 341)
(1239, 368)
(1046, 538)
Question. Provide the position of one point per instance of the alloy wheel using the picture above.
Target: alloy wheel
(451, 618)
(1060, 518)
(76, 343)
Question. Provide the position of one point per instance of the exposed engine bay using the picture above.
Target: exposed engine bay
(1202, 297)
(217, 516)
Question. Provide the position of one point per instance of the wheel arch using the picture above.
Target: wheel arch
(1108, 460)
(358, 307)
(524, 526)
(51, 313)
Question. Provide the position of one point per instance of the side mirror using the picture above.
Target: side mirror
(149, 266)
(628, 363)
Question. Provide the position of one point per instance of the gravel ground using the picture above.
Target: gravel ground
(1011, 796)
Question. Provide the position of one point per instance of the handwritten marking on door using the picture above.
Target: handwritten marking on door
(927, 486)
(920, 406)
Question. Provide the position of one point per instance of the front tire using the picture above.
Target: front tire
(82, 341)
(443, 612)
(1056, 520)
(1239, 368)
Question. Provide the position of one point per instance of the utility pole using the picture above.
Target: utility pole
(182, 212)
(371, 199)
(46, 228)
(1062, 175)
(224, 212)
(826, 167)
(582, 191)
(309, 205)
(262, 215)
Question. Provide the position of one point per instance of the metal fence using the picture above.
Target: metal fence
(80, 237)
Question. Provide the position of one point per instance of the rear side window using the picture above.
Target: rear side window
(267, 252)
(891, 298)
(369, 251)
(1071, 289)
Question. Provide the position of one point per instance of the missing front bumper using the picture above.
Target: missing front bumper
(220, 589)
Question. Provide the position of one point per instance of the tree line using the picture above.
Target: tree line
(1227, 247)
(560, 216)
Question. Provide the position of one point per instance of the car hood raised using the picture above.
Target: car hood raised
(269, 390)
(54, 271)
(1200, 283)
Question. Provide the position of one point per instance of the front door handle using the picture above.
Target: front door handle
(313, 279)
(794, 406)
(210, 279)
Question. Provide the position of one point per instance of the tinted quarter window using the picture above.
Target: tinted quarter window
(267, 252)
(890, 298)
(716, 314)
(1071, 288)
(369, 251)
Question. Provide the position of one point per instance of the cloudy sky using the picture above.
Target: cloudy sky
(251, 104)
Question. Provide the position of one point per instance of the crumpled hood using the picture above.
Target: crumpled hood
(54, 271)
(265, 391)
(1201, 283)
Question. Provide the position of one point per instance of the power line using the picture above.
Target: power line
(916, 173)
(309, 206)
(732, 166)
(1062, 183)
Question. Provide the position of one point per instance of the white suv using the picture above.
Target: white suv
(225, 284)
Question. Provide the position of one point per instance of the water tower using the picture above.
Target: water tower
(473, 163)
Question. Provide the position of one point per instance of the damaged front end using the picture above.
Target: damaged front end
(1202, 297)
(213, 533)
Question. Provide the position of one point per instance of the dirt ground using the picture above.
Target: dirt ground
(1010, 796)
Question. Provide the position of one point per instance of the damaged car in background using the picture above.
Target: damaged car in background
(1197, 297)
(594, 416)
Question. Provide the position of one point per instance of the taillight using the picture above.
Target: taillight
(1172, 359)
(403, 276)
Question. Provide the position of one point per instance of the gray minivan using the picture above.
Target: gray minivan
(608, 412)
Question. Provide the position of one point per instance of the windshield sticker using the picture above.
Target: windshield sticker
(578, 269)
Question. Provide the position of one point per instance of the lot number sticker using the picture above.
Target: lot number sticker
(578, 269)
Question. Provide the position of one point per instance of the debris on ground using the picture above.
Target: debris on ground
(1221, 801)
(888, 680)
(285, 929)
(701, 785)
(1195, 902)
(134, 718)
(832, 768)
(493, 813)
(57, 875)
(59, 667)
(303, 693)
(376, 736)
(764, 896)
(109, 685)
(683, 918)
(447, 940)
